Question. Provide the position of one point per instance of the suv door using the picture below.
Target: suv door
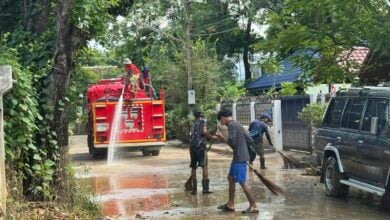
(328, 133)
(350, 126)
(371, 148)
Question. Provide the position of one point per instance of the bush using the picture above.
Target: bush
(312, 113)
(178, 124)
(288, 89)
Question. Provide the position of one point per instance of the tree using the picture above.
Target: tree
(327, 29)
(250, 16)
(45, 37)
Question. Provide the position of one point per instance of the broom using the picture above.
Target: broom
(188, 184)
(289, 159)
(275, 189)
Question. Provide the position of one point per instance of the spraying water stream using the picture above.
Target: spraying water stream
(115, 129)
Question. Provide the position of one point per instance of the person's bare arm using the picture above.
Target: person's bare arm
(223, 138)
(207, 134)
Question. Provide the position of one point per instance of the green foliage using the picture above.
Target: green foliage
(179, 123)
(21, 114)
(206, 72)
(76, 203)
(170, 72)
(31, 63)
(230, 90)
(91, 16)
(312, 113)
(32, 149)
(272, 92)
(288, 89)
(79, 199)
(327, 28)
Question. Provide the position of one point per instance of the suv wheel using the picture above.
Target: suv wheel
(332, 179)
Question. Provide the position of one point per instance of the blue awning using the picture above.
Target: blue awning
(288, 73)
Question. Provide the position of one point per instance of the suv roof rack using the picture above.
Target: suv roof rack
(364, 91)
(376, 87)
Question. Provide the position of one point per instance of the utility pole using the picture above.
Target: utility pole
(5, 86)
(188, 48)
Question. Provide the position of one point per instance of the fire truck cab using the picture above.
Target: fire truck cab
(142, 117)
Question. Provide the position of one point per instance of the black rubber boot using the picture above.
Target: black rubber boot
(194, 187)
(262, 164)
(205, 185)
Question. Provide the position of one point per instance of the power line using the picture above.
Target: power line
(211, 24)
(210, 34)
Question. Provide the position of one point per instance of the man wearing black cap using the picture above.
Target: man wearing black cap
(198, 151)
(257, 128)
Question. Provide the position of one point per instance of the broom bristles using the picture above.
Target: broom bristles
(291, 159)
(275, 189)
(188, 185)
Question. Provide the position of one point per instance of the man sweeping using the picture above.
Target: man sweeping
(198, 153)
(256, 130)
(237, 140)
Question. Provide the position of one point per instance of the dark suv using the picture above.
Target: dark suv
(354, 142)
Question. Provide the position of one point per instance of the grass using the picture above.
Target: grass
(71, 200)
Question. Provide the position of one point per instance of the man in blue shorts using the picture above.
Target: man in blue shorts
(237, 140)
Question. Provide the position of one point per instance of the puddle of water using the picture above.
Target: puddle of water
(154, 189)
(124, 195)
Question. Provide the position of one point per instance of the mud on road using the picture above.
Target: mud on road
(153, 188)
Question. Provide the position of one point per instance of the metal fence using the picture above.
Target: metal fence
(243, 111)
(263, 104)
(296, 133)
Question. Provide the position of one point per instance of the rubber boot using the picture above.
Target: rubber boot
(205, 185)
(262, 164)
(194, 187)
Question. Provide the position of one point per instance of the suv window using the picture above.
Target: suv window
(352, 113)
(375, 108)
(333, 115)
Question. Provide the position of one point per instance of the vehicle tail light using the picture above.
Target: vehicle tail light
(101, 138)
(100, 127)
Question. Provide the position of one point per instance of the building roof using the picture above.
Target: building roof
(291, 73)
(288, 73)
(355, 56)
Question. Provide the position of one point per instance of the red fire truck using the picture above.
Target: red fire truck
(142, 120)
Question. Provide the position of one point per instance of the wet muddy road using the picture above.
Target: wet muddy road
(152, 188)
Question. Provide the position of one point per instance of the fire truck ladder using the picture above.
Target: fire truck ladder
(158, 116)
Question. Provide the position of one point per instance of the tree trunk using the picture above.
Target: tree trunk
(61, 71)
(68, 40)
(247, 43)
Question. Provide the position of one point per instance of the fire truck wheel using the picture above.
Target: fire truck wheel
(98, 153)
(155, 152)
(146, 153)
(90, 144)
